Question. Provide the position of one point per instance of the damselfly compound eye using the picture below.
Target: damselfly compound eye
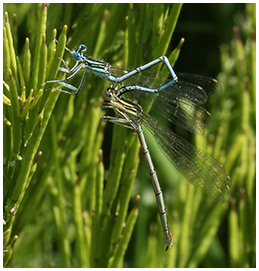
(76, 55)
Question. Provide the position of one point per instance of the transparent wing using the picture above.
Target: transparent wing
(208, 84)
(175, 107)
(198, 167)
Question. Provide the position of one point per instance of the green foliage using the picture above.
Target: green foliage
(219, 235)
(238, 78)
(60, 202)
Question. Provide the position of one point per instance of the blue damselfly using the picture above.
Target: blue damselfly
(195, 87)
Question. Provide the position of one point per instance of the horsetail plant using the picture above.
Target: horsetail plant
(68, 180)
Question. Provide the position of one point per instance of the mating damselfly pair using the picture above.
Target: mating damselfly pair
(178, 98)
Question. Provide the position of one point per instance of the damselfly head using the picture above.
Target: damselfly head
(77, 54)
(109, 94)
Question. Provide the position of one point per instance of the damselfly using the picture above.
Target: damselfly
(197, 166)
(196, 87)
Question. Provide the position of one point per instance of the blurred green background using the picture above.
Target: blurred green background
(72, 205)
